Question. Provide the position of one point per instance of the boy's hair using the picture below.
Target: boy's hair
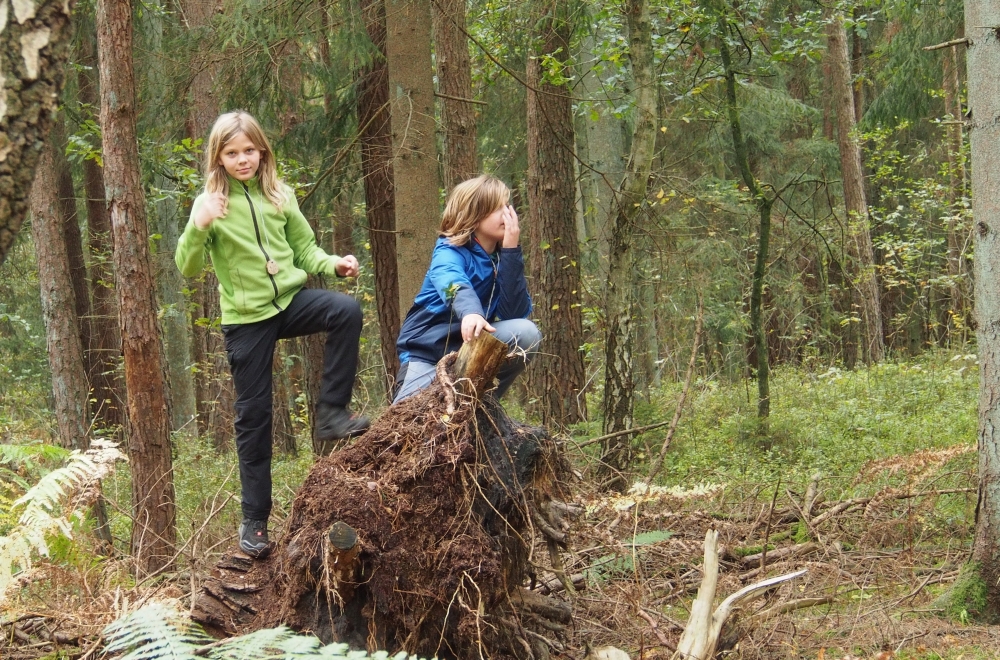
(468, 203)
(227, 127)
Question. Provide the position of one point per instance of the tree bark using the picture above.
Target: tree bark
(377, 168)
(454, 72)
(62, 331)
(34, 47)
(605, 138)
(72, 238)
(763, 205)
(148, 428)
(558, 376)
(630, 203)
(855, 205)
(102, 357)
(416, 184)
(956, 181)
(213, 391)
(983, 58)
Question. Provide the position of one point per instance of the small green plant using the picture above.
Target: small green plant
(49, 508)
(158, 631)
(965, 601)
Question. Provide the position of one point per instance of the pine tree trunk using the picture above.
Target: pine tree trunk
(558, 375)
(454, 72)
(34, 47)
(213, 391)
(630, 203)
(983, 57)
(62, 331)
(148, 428)
(855, 205)
(380, 203)
(102, 358)
(72, 238)
(956, 183)
(758, 330)
(416, 184)
(605, 138)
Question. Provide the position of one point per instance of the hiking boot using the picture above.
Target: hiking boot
(335, 423)
(253, 538)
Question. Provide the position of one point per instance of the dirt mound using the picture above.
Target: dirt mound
(443, 493)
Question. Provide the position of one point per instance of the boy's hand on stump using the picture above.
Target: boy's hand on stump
(511, 229)
(348, 266)
(473, 324)
(215, 207)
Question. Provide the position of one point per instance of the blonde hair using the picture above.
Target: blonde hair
(226, 128)
(468, 203)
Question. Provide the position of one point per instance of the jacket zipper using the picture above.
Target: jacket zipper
(260, 244)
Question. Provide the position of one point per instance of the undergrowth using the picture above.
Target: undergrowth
(830, 422)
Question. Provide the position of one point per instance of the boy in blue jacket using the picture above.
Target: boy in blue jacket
(475, 282)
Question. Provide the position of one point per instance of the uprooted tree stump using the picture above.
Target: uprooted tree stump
(418, 536)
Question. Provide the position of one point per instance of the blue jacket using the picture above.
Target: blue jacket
(462, 279)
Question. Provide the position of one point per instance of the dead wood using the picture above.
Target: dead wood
(701, 635)
(417, 536)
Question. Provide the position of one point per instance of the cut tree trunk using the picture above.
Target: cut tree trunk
(417, 536)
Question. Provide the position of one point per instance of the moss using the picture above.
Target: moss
(966, 599)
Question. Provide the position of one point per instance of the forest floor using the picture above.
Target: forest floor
(882, 523)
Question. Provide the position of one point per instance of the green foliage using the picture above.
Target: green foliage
(48, 508)
(965, 600)
(617, 565)
(830, 421)
(157, 631)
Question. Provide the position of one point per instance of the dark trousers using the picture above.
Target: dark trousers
(250, 349)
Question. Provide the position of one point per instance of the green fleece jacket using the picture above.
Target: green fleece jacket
(240, 245)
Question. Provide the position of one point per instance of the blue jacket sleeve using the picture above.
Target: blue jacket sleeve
(514, 301)
(448, 274)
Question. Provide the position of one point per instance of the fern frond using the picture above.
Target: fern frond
(158, 632)
(41, 502)
(155, 632)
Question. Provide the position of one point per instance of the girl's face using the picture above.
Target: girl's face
(240, 157)
(490, 229)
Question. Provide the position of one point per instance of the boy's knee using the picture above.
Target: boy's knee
(527, 336)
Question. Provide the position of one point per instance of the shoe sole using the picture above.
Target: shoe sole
(256, 553)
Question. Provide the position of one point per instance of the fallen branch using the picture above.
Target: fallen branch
(701, 635)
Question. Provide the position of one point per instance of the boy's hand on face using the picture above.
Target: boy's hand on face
(348, 266)
(215, 207)
(511, 229)
(472, 325)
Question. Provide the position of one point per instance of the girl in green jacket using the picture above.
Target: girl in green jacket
(262, 249)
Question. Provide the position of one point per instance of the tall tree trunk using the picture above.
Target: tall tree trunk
(605, 138)
(630, 203)
(148, 428)
(454, 72)
(102, 357)
(855, 205)
(34, 46)
(558, 372)
(763, 204)
(72, 238)
(416, 184)
(983, 61)
(213, 390)
(380, 203)
(62, 331)
(956, 181)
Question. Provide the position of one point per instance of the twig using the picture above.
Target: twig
(459, 98)
(962, 41)
(638, 429)
(655, 468)
(767, 527)
(656, 630)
